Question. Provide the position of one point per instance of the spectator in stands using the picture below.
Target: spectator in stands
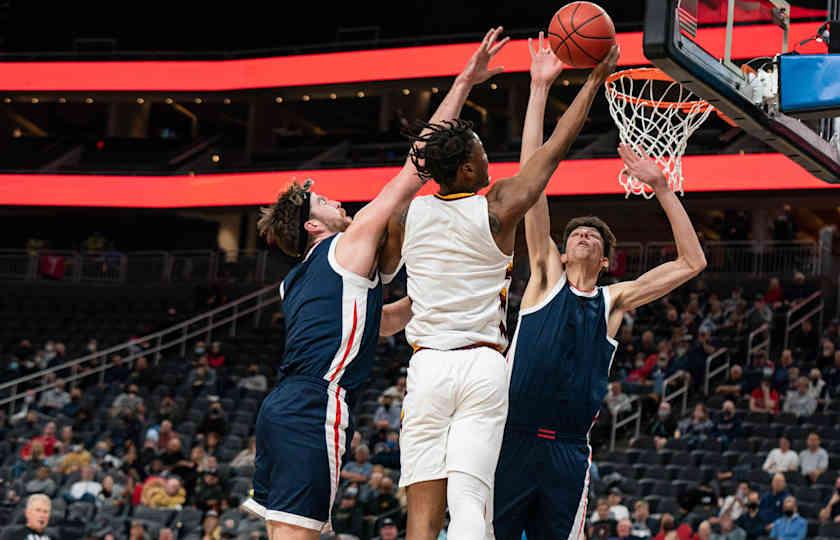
(617, 510)
(781, 459)
(751, 520)
(144, 375)
(388, 529)
(112, 494)
(388, 451)
(137, 531)
(165, 434)
(814, 459)
(360, 468)
(775, 295)
(668, 529)
(127, 403)
(215, 421)
(119, 372)
(806, 340)
(800, 402)
(202, 376)
(384, 502)
(87, 489)
(616, 400)
(696, 356)
(623, 530)
(826, 357)
(37, 513)
(347, 516)
(255, 381)
(52, 400)
(215, 356)
(736, 504)
(715, 316)
(42, 483)
(209, 493)
(75, 459)
(74, 405)
(247, 456)
(832, 377)
(728, 426)
(643, 524)
(831, 512)
(704, 531)
(696, 429)
(210, 527)
(46, 440)
(698, 498)
(729, 530)
(603, 524)
(663, 426)
(173, 454)
(167, 408)
(770, 508)
(370, 490)
(782, 374)
(765, 399)
(759, 315)
(387, 415)
(790, 526)
(734, 385)
(161, 492)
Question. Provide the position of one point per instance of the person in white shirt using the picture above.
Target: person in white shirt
(814, 459)
(734, 505)
(617, 401)
(781, 459)
(86, 489)
(800, 401)
(618, 511)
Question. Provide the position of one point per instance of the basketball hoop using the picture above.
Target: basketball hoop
(656, 114)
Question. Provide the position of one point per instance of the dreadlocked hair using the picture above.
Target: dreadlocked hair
(437, 150)
(279, 223)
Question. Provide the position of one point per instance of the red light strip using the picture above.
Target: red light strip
(328, 68)
(714, 173)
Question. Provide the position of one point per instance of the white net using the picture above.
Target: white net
(656, 115)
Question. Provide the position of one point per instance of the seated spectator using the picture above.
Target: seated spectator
(735, 383)
(247, 456)
(167, 408)
(617, 510)
(87, 489)
(209, 493)
(42, 483)
(782, 376)
(254, 381)
(831, 512)
(616, 400)
(770, 507)
(832, 377)
(813, 461)
(37, 513)
(74, 406)
(127, 403)
(112, 494)
(668, 529)
(398, 389)
(165, 434)
(759, 315)
(173, 454)
(161, 492)
(211, 443)
(800, 402)
(663, 426)
(781, 459)
(137, 531)
(602, 523)
(388, 451)
(790, 526)
(359, 469)
(696, 429)
(46, 440)
(775, 294)
(751, 521)
(825, 359)
(623, 530)
(384, 501)
(643, 524)
(765, 399)
(103, 458)
(202, 376)
(144, 375)
(388, 529)
(215, 356)
(370, 490)
(728, 426)
(211, 529)
(736, 504)
(347, 515)
(817, 386)
(54, 399)
(387, 415)
(704, 531)
(215, 421)
(698, 498)
(729, 530)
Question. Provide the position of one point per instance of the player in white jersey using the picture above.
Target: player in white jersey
(457, 247)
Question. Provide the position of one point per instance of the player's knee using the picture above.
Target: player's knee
(468, 498)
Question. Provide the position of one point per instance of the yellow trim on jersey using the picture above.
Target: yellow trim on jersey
(454, 196)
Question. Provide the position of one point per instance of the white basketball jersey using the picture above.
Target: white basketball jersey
(458, 278)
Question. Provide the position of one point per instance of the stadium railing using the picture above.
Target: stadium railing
(758, 341)
(177, 336)
(815, 306)
(682, 390)
(722, 359)
(635, 415)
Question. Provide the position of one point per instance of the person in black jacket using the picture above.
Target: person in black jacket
(727, 426)
(750, 521)
(663, 425)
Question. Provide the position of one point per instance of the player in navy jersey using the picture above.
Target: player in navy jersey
(560, 357)
(332, 302)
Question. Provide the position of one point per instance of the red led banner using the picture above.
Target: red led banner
(328, 68)
(714, 173)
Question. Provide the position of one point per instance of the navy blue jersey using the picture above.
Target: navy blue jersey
(332, 319)
(561, 355)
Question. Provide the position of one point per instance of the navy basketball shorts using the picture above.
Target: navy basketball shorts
(302, 429)
(542, 485)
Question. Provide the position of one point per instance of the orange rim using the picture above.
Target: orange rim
(652, 74)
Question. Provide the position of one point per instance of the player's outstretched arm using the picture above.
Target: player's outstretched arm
(475, 72)
(543, 256)
(508, 200)
(395, 316)
(690, 260)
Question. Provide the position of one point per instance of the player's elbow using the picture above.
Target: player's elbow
(696, 263)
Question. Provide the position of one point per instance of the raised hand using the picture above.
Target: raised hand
(545, 66)
(477, 70)
(607, 66)
(642, 167)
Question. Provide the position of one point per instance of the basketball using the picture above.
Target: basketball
(581, 34)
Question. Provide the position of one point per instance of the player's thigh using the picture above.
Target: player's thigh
(478, 422)
(426, 508)
(563, 493)
(515, 488)
(285, 531)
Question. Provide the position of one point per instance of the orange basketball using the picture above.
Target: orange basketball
(581, 34)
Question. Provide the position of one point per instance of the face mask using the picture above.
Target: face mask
(752, 506)
(199, 350)
(768, 372)
(663, 414)
(789, 513)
